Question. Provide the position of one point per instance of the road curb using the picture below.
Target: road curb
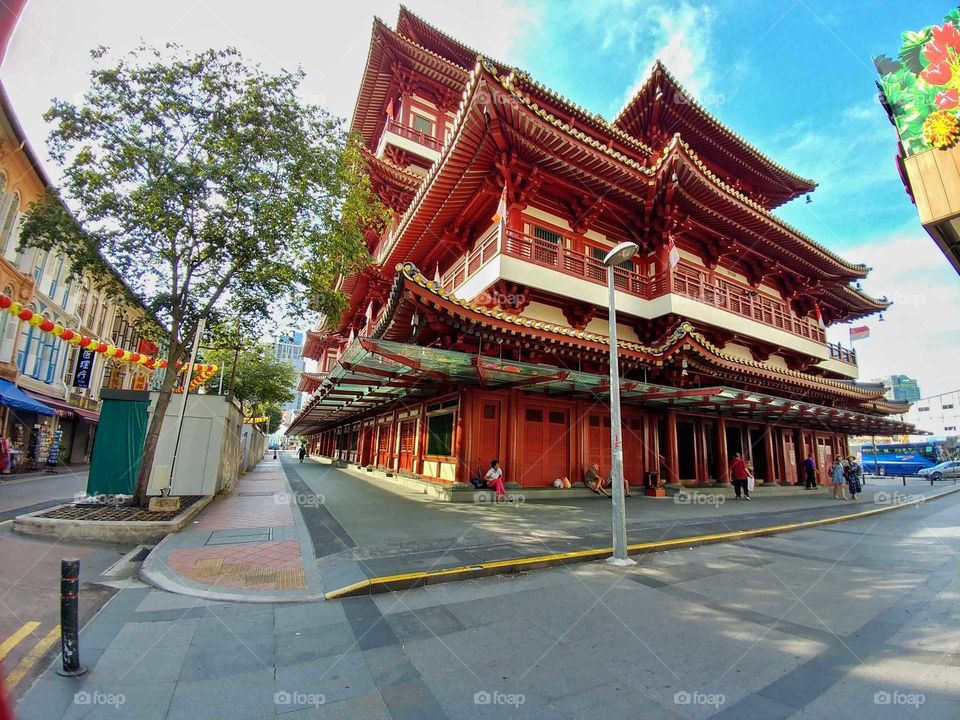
(406, 581)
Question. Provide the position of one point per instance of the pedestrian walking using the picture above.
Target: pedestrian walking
(839, 481)
(810, 473)
(854, 477)
(739, 474)
(302, 452)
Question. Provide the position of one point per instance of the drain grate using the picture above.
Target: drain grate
(255, 494)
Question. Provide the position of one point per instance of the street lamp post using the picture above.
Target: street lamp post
(622, 252)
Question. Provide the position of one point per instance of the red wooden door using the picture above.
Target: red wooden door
(825, 459)
(487, 435)
(408, 434)
(383, 445)
(633, 450)
(789, 458)
(366, 446)
(598, 442)
(544, 446)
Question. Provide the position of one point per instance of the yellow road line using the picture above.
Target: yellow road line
(485, 568)
(11, 642)
(32, 658)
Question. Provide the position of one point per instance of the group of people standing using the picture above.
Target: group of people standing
(846, 474)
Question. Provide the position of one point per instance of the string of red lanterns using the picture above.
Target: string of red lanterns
(201, 373)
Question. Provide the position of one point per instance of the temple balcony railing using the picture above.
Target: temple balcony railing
(744, 301)
(843, 354)
(688, 283)
(408, 139)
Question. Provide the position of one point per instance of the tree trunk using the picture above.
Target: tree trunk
(153, 431)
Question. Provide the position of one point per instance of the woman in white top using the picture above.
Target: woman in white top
(494, 479)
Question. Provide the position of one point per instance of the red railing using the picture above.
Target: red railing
(743, 301)
(467, 266)
(418, 136)
(549, 254)
(843, 354)
(687, 281)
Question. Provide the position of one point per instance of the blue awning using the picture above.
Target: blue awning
(14, 397)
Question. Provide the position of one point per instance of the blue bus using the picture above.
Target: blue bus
(901, 458)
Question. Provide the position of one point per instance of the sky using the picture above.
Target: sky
(794, 77)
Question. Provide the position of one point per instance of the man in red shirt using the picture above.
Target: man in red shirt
(739, 475)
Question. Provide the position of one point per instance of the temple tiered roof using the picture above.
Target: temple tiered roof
(662, 107)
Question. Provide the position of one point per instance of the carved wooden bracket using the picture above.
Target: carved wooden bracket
(398, 156)
(584, 211)
(579, 315)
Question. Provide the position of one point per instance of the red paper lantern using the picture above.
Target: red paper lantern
(46, 325)
(25, 314)
(84, 341)
(102, 347)
(68, 334)
(5, 301)
(134, 357)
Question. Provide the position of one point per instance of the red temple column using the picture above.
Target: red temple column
(671, 454)
(723, 463)
(462, 471)
(771, 478)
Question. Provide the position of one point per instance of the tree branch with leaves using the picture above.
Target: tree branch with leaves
(211, 188)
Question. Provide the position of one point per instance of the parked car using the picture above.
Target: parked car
(948, 469)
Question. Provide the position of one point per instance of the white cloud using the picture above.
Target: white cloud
(49, 54)
(920, 335)
(680, 36)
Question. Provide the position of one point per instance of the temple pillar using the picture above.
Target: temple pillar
(670, 452)
(723, 463)
(651, 456)
(664, 267)
(700, 437)
(771, 460)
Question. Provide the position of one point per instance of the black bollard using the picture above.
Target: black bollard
(69, 618)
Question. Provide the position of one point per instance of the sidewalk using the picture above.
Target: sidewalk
(249, 545)
(45, 473)
(294, 532)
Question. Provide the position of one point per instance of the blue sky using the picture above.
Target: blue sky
(794, 77)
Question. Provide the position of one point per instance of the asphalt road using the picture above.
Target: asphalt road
(852, 620)
(30, 578)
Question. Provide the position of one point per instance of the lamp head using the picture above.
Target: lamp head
(622, 252)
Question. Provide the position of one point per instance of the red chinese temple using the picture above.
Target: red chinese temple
(469, 339)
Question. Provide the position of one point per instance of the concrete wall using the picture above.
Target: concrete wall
(209, 458)
(253, 446)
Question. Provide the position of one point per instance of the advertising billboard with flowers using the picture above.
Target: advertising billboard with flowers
(921, 86)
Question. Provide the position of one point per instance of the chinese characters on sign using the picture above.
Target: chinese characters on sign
(81, 378)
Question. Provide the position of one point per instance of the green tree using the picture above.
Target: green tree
(254, 375)
(275, 413)
(211, 188)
